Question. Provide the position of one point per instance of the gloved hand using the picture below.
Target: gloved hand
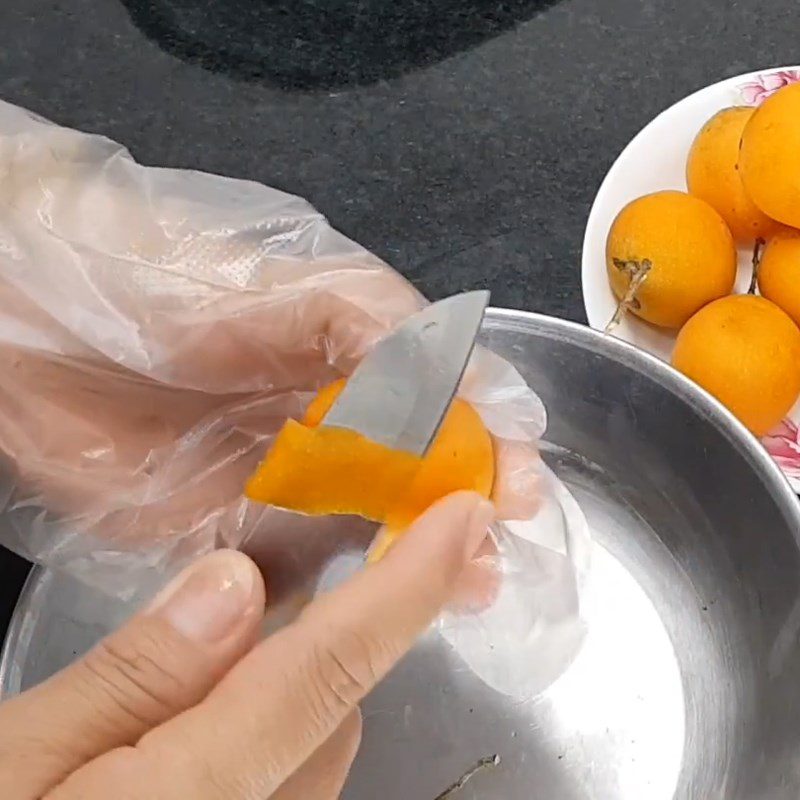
(157, 328)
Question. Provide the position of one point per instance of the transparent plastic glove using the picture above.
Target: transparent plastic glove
(157, 328)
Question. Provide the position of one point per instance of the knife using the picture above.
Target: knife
(399, 394)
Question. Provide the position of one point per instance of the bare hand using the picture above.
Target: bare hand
(180, 704)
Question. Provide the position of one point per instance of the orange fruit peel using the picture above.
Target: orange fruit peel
(319, 470)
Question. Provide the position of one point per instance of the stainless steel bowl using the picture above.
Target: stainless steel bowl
(688, 684)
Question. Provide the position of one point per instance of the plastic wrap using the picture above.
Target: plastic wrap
(157, 327)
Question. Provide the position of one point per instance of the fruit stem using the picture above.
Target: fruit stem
(484, 763)
(757, 248)
(637, 270)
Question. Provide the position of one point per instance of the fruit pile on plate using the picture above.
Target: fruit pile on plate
(671, 258)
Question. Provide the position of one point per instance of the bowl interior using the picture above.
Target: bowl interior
(686, 686)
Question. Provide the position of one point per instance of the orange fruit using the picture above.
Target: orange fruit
(712, 175)
(779, 272)
(319, 470)
(746, 352)
(689, 250)
(769, 159)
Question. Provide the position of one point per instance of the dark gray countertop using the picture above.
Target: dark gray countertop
(461, 140)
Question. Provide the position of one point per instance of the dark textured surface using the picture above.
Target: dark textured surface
(315, 44)
(470, 159)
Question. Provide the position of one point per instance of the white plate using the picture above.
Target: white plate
(655, 159)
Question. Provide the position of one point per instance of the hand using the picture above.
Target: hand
(177, 705)
(158, 328)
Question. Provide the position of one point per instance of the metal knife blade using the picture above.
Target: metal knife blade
(399, 394)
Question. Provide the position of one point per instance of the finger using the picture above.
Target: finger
(516, 495)
(322, 777)
(479, 584)
(517, 490)
(283, 700)
(162, 662)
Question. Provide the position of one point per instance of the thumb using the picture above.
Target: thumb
(165, 660)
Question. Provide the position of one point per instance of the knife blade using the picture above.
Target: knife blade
(399, 394)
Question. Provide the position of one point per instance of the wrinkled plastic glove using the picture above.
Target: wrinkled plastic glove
(157, 328)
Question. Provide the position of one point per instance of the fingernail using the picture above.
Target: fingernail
(208, 599)
(480, 519)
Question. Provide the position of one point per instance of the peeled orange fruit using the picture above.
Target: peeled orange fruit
(746, 352)
(712, 175)
(769, 160)
(684, 247)
(319, 470)
(779, 272)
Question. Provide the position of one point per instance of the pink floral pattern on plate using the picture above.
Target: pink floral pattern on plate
(755, 92)
(783, 444)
